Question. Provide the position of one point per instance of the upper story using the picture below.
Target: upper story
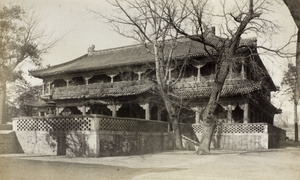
(130, 70)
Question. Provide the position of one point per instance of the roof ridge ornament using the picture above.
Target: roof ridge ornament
(91, 49)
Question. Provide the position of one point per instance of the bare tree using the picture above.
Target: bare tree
(142, 21)
(294, 8)
(21, 41)
(235, 26)
(246, 17)
(153, 22)
(290, 80)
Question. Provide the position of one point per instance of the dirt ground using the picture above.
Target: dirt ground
(276, 164)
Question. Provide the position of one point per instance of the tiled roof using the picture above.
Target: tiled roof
(96, 91)
(128, 55)
(228, 90)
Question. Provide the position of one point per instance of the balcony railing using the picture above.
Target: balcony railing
(101, 90)
(115, 87)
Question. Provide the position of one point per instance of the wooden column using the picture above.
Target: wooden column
(199, 72)
(139, 71)
(230, 72)
(86, 78)
(59, 110)
(229, 113)
(49, 87)
(48, 82)
(243, 72)
(82, 109)
(159, 113)
(68, 79)
(230, 108)
(170, 75)
(146, 107)
(197, 110)
(43, 90)
(114, 109)
(112, 78)
(245, 107)
(140, 75)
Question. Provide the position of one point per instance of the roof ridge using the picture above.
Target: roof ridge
(115, 48)
(181, 39)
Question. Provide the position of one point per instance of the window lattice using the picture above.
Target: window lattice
(233, 128)
(53, 124)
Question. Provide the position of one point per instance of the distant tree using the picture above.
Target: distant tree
(20, 98)
(294, 8)
(21, 41)
(290, 81)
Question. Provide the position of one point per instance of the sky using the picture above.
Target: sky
(78, 29)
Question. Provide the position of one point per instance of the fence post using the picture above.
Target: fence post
(15, 123)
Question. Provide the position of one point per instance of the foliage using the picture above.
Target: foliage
(21, 41)
(20, 95)
(293, 6)
(18, 41)
(290, 81)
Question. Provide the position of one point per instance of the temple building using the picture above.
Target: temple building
(105, 102)
(119, 82)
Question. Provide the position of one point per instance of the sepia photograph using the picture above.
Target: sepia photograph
(149, 89)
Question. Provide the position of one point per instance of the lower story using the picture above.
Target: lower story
(100, 136)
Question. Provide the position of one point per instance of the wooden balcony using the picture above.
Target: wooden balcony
(97, 90)
(125, 88)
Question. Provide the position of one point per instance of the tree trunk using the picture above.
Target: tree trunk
(296, 132)
(298, 65)
(209, 119)
(2, 101)
(297, 84)
(163, 89)
(177, 133)
(173, 119)
(296, 121)
(206, 137)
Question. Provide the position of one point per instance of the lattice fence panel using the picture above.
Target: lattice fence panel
(233, 128)
(115, 124)
(54, 124)
(197, 128)
(186, 129)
